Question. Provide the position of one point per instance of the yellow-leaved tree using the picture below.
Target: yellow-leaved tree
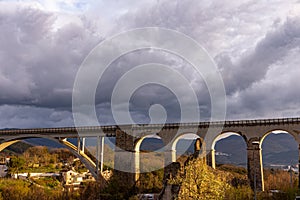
(198, 181)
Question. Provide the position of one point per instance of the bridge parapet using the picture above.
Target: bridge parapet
(111, 130)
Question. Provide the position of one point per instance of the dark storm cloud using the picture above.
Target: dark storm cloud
(255, 46)
(246, 47)
(151, 94)
(38, 66)
(33, 117)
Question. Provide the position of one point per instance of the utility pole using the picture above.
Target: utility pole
(291, 176)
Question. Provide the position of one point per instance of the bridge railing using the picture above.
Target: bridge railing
(111, 130)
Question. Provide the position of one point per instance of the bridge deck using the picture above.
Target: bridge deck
(111, 130)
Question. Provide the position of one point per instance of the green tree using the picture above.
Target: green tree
(151, 182)
(16, 163)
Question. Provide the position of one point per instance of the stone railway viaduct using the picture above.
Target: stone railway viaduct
(129, 138)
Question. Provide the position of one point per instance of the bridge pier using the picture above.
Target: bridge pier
(124, 168)
(169, 160)
(170, 156)
(78, 145)
(255, 165)
(211, 158)
(299, 167)
(137, 165)
(100, 153)
(83, 144)
(126, 160)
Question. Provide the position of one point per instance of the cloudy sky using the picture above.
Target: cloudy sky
(255, 44)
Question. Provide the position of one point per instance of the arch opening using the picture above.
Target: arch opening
(151, 154)
(149, 163)
(229, 149)
(280, 156)
(184, 146)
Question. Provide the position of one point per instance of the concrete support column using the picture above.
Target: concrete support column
(125, 167)
(299, 167)
(174, 156)
(169, 163)
(137, 165)
(211, 158)
(97, 154)
(78, 145)
(170, 156)
(255, 166)
(102, 154)
(125, 159)
(83, 145)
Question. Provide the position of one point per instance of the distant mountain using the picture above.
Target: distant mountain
(153, 144)
(231, 150)
(21, 146)
(280, 149)
(17, 148)
(276, 149)
(43, 142)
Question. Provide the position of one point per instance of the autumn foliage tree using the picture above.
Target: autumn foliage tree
(198, 181)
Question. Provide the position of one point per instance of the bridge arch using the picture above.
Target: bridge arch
(191, 136)
(157, 154)
(138, 142)
(272, 131)
(271, 160)
(86, 161)
(211, 155)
